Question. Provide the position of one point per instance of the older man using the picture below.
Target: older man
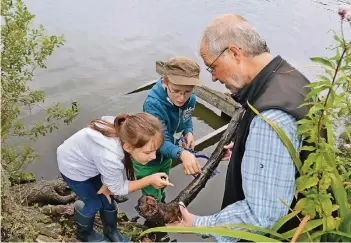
(260, 170)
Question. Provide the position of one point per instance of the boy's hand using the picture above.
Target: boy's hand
(189, 141)
(190, 164)
(104, 190)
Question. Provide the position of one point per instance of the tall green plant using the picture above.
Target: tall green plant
(24, 49)
(325, 175)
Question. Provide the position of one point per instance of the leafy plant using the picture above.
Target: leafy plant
(324, 177)
(23, 50)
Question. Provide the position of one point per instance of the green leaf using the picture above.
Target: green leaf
(324, 182)
(307, 206)
(284, 219)
(311, 159)
(343, 111)
(214, 231)
(330, 134)
(328, 223)
(323, 61)
(306, 104)
(338, 39)
(310, 225)
(307, 148)
(326, 84)
(293, 153)
(346, 235)
(319, 233)
(340, 194)
(324, 78)
(315, 92)
(304, 238)
(306, 181)
(258, 229)
(345, 225)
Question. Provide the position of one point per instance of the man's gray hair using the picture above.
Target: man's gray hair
(230, 29)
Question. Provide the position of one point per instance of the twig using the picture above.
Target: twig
(300, 228)
(342, 29)
(332, 84)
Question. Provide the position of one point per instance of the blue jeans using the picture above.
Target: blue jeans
(87, 192)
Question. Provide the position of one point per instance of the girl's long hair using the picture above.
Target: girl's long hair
(136, 130)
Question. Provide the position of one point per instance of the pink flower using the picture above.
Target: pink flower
(345, 13)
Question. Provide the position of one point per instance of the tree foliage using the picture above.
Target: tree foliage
(24, 49)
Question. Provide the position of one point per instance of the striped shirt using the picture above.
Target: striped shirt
(268, 173)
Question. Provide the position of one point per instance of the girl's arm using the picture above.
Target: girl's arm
(157, 180)
(139, 184)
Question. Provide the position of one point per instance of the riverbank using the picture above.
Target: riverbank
(42, 211)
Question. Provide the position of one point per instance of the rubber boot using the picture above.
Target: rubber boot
(109, 221)
(85, 231)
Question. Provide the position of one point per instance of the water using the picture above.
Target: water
(111, 48)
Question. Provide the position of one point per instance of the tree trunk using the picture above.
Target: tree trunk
(153, 210)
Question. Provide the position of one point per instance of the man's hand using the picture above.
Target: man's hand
(190, 164)
(228, 153)
(187, 219)
(104, 190)
(189, 141)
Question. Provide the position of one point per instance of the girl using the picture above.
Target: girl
(100, 154)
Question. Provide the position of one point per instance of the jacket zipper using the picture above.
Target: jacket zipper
(174, 140)
(180, 114)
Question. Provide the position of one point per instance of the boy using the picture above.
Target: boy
(172, 101)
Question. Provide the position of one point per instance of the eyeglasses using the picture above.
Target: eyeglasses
(179, 93)
(210, 69)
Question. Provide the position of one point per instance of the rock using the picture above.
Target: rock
(57, 210)
(51, 230)
(43, 238)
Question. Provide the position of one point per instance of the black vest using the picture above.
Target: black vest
(277, 86)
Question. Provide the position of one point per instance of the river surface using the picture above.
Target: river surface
(111, 48)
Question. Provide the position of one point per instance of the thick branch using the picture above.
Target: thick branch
(192, 190)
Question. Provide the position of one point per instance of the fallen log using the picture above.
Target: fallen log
(44, 192)
(153, 210)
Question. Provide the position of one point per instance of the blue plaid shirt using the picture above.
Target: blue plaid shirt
(268, 173)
